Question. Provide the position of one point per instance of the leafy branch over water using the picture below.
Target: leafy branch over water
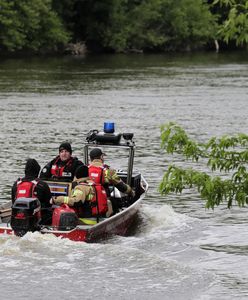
(226, 154)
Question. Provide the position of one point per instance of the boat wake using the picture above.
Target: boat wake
(161, 218)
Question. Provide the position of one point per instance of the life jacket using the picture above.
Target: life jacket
(59, 171)
(97, 174)
(25, 189)
(98, 202)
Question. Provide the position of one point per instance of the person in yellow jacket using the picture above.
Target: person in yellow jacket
(81, 193)
(105, 175)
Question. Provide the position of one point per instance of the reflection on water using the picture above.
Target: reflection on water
(239, 250)
(179, 250)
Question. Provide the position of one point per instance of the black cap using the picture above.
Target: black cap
(32, 168)
(82, 172)
(96, 153)
(65, 146)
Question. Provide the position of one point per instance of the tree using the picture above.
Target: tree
(226, 154)
(162, 24)
(30, 24)
(67, 12)
(187, 24)
(123, 25)
(10, 35)
(95, 21)
(234, 27)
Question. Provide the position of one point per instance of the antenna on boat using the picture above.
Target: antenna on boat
(130, 165)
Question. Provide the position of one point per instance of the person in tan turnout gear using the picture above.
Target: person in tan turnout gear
(82, 194)
(100, 173)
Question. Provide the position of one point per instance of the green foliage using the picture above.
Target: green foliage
(145, 28)
(174, 139)
(10, 35)
(170, 24)
(187, 23)
(121, 25)
(151, 24)
(30, 24)
(228, 154)
(235, 26)
(98, 19)
(116, 33)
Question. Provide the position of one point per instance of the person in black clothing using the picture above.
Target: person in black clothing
(63, 166)
(31, 186)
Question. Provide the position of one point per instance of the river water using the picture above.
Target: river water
(179, 250)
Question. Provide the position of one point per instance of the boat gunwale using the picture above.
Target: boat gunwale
(88, 228)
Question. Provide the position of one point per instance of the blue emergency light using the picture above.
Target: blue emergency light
(109, 127)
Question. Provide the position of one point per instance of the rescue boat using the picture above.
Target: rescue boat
(24, 214)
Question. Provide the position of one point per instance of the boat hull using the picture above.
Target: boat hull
(118, 224)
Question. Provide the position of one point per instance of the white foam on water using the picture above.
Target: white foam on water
(163, 217)
(35, 245)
